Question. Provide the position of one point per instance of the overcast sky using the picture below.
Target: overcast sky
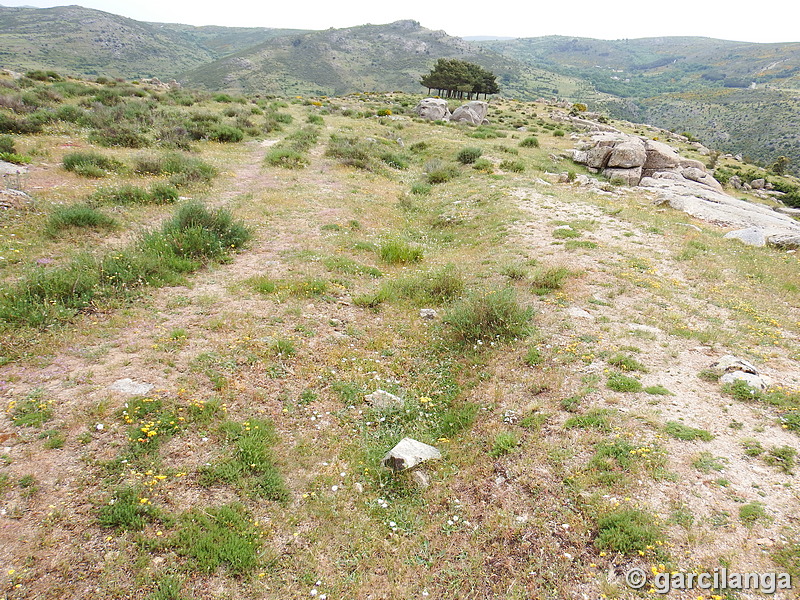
(583, 18)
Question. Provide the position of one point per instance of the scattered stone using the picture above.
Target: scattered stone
(758, 184)
(129, 386)
(409, 453)
(752, 236)
(644, 328)
(433, 109)
(381, 400)
(730, 363)
(579, 313)
(14, 199)
(7, 168)
(358, 487)
(428, 313)
(421, 478)
(754, 381)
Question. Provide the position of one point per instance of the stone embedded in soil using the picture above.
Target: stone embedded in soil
(409, 453)
(730, 363)
(428, 313)
(381, 399)
(754, 381)
(129, 386)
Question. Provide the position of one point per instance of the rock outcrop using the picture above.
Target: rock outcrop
(685, 185)
(472, 112)
(433, 109)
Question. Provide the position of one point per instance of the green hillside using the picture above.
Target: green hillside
(736, 97)
(368, 57)
(82, 41)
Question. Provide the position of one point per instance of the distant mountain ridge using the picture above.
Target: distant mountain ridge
(700, 86)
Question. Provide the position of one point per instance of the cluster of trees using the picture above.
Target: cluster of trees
(454, 78)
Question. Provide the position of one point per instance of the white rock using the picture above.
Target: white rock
(129, 386)
(428, 313)
(409, 453)
(754, 381)
(381, 399)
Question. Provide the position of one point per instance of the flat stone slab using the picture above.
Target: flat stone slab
(129, 386)
(408, 453)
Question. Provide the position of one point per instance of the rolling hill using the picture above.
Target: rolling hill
(84, 41)
(369, 57)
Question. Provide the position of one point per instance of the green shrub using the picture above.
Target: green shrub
(183, 170)
(316, 120)
(124, 194)
(119, 135)
(396, 251)
(214, 537)
(196, 232)
(627, 531)
(351, 152)
(753, 512)
(467, 156)
(684, 432)
(429, 287)
(438, 171)
(395, 160)
(530, 142)
(558, 133)
(127, 511)
(547, 279)
(626, 363)
(79, 215)
(163, 193)
(596, 418)
(420, 189)
(513, 166)
(7, 145)
(226, 134)
(504, 442)
(782, 457)
(622, 383)
(487, 317)
(286, 158)
(483, 165)
(90, 164)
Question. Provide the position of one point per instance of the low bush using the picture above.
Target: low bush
(530, 142)
(182, 170)
(485, 317)
(467, 156)
(396, 251)
(90, 164)
(53, 294)
(628, 531)
(77, 216)
(286, 158)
